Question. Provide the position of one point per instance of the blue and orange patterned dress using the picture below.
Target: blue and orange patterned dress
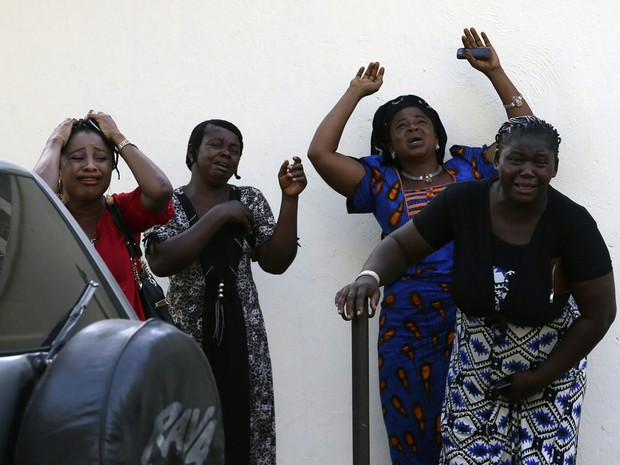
(417, 318)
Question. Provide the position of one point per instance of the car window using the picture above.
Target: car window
(44, 268)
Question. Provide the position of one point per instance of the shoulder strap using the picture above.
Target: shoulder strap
(192, 217)
(130, 241)
(235, 194)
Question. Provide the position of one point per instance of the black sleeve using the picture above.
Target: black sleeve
(434, 222)
(585, 253)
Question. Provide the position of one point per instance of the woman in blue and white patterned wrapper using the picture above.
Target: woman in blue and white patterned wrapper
(517, 372)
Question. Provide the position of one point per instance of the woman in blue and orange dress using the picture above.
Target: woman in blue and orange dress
(407, 170)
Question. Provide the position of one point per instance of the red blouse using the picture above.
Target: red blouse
(111, 242)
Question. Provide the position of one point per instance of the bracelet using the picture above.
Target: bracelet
(370, 273)
(516, 101)
(120, 146)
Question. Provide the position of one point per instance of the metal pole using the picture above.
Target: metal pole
(361, 394)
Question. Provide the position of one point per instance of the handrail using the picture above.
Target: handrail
(360, 387)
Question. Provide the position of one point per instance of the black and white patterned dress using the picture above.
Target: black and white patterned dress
(480, 427)
(186, 297)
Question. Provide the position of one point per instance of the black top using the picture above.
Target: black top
(565, 229)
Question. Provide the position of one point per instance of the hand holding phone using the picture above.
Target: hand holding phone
(478, 53)
(502, 387)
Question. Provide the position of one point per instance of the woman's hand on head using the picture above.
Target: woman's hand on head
(292, 177)
(368, 80)
(471, 39)
(350, 299)
(108, 127)
(61, 134)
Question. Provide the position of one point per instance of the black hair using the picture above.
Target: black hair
(195, 139)
(527, 125)
(91, 126)
(382, 121)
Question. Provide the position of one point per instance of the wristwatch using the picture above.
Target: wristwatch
(517, 101)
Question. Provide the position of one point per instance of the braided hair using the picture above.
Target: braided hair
(527, 125)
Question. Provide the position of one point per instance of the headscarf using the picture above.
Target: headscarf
(383, 119)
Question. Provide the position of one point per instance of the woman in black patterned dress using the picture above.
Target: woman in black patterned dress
(206, 250)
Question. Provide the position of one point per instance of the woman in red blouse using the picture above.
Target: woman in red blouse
(77, 162)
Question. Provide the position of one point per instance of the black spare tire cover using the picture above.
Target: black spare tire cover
(124, 392)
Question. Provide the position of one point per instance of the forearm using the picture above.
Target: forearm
(387, 260)
(340, 172)
(583, 335)
(155, 185)
(596, 300)
(177, 253)
(328, 134)
(397, 251)
(280, 251)
(506, 90)
(48, 165)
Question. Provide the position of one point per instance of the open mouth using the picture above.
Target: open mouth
(89, 180)
(415, 140)
(525, 186)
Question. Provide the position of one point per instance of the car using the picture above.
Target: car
(83, 381)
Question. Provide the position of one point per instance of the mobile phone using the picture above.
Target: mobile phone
(94, 124)
(502, 387)
(478, 53)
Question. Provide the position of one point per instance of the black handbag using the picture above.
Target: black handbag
(152, 296)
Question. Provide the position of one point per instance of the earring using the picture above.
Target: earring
(436, 147)
(59, 188)
(393, 155)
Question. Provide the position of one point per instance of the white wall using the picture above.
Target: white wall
(275, 67)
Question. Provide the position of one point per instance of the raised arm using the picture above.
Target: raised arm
(509, 96)
(339, 171)
(48, 165)
(277, 254)
(156, 188)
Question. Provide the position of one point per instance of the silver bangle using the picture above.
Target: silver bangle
(120, 146)
(370, 273)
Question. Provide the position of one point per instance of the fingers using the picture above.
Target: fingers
(346, 303)
(67, 123)
(374, 71)
(351, 299)
(283, 168)
(380, 74)
(471, 39)
(369, 79)
(62, 132)
(371, 72)
(295, 170)
(236, 211)
(92, 114)
(487, 42)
